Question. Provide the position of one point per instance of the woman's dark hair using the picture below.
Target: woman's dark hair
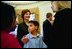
(35, 23)
(48, 15)
(23, 13)
(7, 16)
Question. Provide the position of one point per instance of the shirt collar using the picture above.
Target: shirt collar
(32, 36)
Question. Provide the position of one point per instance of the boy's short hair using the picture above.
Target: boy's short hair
(35, 23)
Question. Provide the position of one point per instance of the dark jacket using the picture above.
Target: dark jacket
(22, 30)
(61, 35)
(47, 28)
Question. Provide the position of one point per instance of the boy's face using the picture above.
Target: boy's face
(31, 27)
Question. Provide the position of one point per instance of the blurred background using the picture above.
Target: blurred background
(38, 8)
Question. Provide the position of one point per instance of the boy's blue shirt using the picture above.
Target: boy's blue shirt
(34, 41)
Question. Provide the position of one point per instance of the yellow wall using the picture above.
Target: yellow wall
(43, 7)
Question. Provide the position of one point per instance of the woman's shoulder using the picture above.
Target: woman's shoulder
(23, 24)
(10, 41)
(66, 10)
(63, 13)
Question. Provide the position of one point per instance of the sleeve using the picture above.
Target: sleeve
(13, 42)
(19, 33)
(45, 31)
(27, 44)
(42, 44)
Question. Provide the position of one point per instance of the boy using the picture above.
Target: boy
(35, 40)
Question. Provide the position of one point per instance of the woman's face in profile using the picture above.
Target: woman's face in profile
(54, 6)
(27, 16)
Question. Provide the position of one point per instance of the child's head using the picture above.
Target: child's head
(33, 26)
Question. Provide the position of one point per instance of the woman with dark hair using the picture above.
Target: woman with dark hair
(7, 25)
(23, 27)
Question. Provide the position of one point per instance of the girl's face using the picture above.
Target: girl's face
(54, 6)
(27, 16)
(31, 27)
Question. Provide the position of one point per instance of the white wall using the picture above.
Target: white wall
(45, 8)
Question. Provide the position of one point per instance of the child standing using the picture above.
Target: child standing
(35, 40)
